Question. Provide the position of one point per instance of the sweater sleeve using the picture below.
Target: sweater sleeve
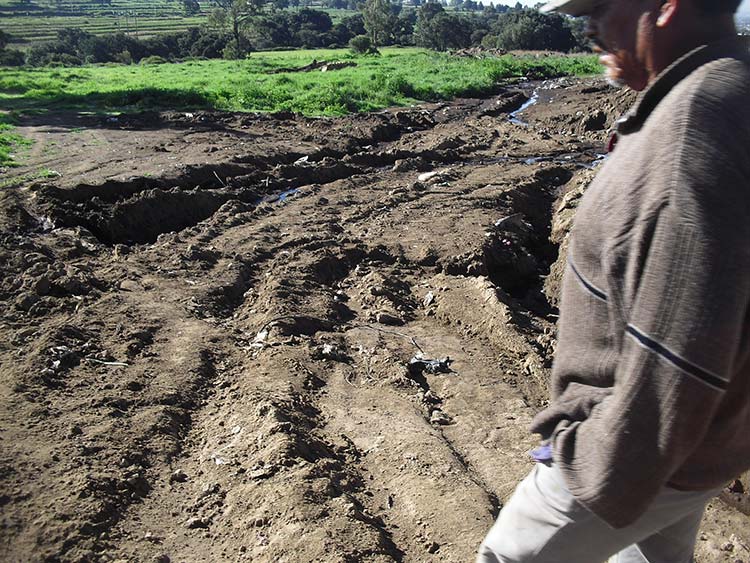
(686, 295)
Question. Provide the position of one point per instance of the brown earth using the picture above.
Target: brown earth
(195, 368)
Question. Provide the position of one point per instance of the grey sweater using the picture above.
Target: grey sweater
(651, 380)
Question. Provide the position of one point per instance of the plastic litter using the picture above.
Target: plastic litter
(419, 364)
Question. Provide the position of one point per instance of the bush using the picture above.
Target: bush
(361, 45)
(11, 57)
(153, 60)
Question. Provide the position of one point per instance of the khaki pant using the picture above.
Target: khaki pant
(543, 523)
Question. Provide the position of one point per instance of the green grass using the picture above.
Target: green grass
(10, 143)
(29, 176)
(399, 77)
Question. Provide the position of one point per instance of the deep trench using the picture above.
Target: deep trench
(518, 254)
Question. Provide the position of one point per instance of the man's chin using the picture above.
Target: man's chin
(612, 71)
(614, 79)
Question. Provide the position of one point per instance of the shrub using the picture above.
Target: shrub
(11, 57)
(361, 45)
(153, 60)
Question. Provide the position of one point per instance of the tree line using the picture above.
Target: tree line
(235, 28)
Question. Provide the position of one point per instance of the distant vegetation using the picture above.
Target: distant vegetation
(125, 31)
(397, 77)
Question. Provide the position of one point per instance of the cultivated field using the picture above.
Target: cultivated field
(40, 21)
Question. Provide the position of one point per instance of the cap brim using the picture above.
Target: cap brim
(570, 7)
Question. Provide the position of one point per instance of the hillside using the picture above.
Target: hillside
(28, 22)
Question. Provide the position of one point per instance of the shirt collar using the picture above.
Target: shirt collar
(733, 47)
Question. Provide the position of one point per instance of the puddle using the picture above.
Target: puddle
(513, 116)
(284, 195)
(581, 160)
(277, 197)
(585, 159)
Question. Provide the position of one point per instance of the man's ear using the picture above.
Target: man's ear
(667, 12)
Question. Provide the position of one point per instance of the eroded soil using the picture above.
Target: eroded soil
(213, 324)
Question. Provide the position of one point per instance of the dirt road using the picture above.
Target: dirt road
(269, 338)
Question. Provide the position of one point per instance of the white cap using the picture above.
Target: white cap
(571, 7)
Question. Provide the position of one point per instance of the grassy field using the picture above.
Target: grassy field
(398, 77)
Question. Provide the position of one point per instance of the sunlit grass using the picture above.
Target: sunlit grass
(10, 143)
(399, 77)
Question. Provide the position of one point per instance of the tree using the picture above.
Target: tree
(379, 20)
(238, 13)
(218, 19)
(191, 7)
(436, 29)
(530, 29)
(3, 40)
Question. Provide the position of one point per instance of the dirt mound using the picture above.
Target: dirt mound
(269, 337)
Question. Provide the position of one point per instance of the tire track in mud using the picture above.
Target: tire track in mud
(325, 272)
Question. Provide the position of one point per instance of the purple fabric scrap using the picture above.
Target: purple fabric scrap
(542, 453)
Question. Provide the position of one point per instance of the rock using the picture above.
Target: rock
(426, 176)
(440, 418)
(74, 430)
(433, 547)
(431, 398)
(408, 164)
(340, 297)
(130, 285)
(150, 537)
(330, 352)
(209, 489)
(178, 476)
(429, 299)
(121, 250)
(378, 290)
(388, 319)
(27, 301)
(196, 523)
(163, 558)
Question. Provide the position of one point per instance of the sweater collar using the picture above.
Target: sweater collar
(733, 47)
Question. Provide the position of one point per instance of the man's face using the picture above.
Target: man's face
(623, 32)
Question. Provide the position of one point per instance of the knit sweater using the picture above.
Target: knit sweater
(651, 379)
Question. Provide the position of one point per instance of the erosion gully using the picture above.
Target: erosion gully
(209, 351)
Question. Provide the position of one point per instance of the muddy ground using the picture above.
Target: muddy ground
(217, 329)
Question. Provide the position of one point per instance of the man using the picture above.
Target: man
(650, 395)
